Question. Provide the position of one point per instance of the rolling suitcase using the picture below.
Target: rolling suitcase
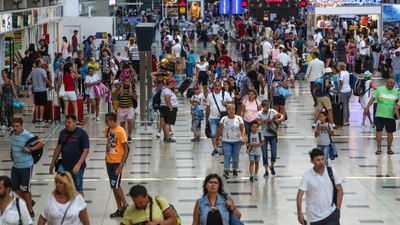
(185, 85)
(337, 111)
(79, 102)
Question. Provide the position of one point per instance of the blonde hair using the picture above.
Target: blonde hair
(341, 66)
(230, 106)
(66, 179)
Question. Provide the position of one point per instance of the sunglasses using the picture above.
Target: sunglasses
(62, 173)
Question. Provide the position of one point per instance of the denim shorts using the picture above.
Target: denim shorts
(214, 124)
(115, 181)
(254, 157)
(78, 178)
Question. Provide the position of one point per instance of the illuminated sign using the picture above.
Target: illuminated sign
(303, 3)
(224, 7)
(277, 1)
(362, 2)
(236, 7)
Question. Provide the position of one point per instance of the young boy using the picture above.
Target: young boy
(254, 143)
(197, 117)
(197, 95)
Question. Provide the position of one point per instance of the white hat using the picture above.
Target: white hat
(328, 70)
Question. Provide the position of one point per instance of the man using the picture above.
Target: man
(315, 69)
(323, 98)
(284, 58)
(364, 49)
(266, 51)
(139, 212)
(216, 107)
(106, 67)
(26, 63)
(116, 154)
(214, 29)
(73, 145)
(226, 58)
(317, 37)
(240, 77)
(75, 44)
(21, 171)
(321, 188)
(39, 79)
(342, 47)
(386, 96)
(177, 48)
(288, 43)
(10, 214)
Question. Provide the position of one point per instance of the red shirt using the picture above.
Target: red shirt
(69, 84)
(74, 40)
(226, 59)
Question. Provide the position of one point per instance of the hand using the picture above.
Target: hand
(229, 203)
(26, 150)
(170, 108)
(51, 168)
(268, 120)
(76, 169)
(366, 110)
(300, 218)
(118, 171)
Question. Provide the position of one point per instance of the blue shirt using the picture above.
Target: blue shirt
(204, 208)
(192, 59)
(84, 72)
(72, 150)
(22, 159)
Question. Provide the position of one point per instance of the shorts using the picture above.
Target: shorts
(254, 157)
(278, 100)
(363, 58)
(75, 49)
(196, 125)
(214, 124)
(69, 96)
(324, 101)
(169, 116)
(92, 94)
(78, 178)
(203, 78)
(21, 179)
(115, 181)
(125, 114)
(40, 98)
(389, 124)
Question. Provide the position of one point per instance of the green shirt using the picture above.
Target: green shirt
(300, 44)
(133, 215)
(386, 102)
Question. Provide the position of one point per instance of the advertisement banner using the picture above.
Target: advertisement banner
(224, 7)
(390, 16)
(236, 7)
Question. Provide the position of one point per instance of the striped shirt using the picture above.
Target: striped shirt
(125, 99)
(134, 50)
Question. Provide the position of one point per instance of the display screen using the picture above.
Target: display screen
(236, 6)
(224, 7)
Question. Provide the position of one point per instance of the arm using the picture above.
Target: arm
(396, 110)
(170, 217)
(279, 118)
(42, 221)
(219, 132)
(168, 101)
(339, 190)
(207, 112)
(231, 206)
(78, 165)
(243, 110)
(56, 154)
(83, 216)
(340, 85)
(371, 101)
(75, 75)
(285, 84)
(48, 82)
(13, 90)
(243, 133)
(123, 160)
(196, 214)
(300, 216)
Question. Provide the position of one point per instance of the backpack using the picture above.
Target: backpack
(319, 86)
(157, 100)
(37, 154)
(221, 31)
(359, 87)
(352, 80)
(249, 141)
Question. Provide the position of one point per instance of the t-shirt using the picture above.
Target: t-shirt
(133, 215)
(251, 111)
(91, 80)
(215, 28)
(69, 83)
(73, 149)
(116, 137)
(255, 139)
(231, 131)
(323, 138)
(199, 97)
(53, 211)
(38, 83)
(176, 49)
(21, 159)
(284, 58)
(10, 215)
(174, 99)
(271, 114)
(214, 113)
(27, 63)
(345, 77)
(386, 102)
(202, 67)
(267, 47)
(363, 50)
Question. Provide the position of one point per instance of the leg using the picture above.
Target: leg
(379, 140)
(66, 105)
(130, 127)
(256, 167)
(235, 154)
(265, 153)
(93, 106)
(273, 142)
(330, 116)
(75, 105)
(228, 150)
(312, 93)
(166, 130)
(122, 124)
(251, 165)
(119, 198)
(97, 107)
(41, 112)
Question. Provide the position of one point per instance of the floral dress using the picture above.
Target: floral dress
(6, 113)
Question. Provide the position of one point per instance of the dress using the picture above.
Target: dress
(6, 104)
(364, 99)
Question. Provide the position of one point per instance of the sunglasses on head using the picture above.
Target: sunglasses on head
(62, 173)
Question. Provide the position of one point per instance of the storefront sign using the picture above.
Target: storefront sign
(224, 7)
(6, 23)
(236, 7)
(101, 35)
(362, 2)
(390, 16)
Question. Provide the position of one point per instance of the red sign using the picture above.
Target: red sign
(303, 3)
(276, 1)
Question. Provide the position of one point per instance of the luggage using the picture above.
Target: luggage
(189, 93)
(189, 69)
(384, 71)
(185, 85)
(357, 66)
(337, 111)
(79, 102)
(369, 65)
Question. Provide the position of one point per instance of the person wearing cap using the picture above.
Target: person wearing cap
(315, 69)
(169, 108)
(364, 99)
(197, 117)
(323, 100)
(221, 67)
(226, 58)
(75, 44)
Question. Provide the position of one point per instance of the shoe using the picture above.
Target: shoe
(198, 139)
(32, 214)
(97, 119)
(117, 214)
(158, 135)
(333, 125)
(194, 139)
(378, 152)
(129, 139)
(92, 117)
(255, 176)
(363, 124)
(272, 170)
(266, 174)
(251, 179)
(390, 152)
(226, 173)
(170, 140)
(171, 134)
(215, 152)
(313, 125)
(235, 173)
(315, 105)
(346, 124)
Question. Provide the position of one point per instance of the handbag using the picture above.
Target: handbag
(208, 130)
(272, 127)
(234, 220)
(100, 89)
(284, 92)
(61, 92)
(332, 150)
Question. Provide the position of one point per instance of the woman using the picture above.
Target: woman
(250, 108)
(228, 89)
(7, 97)
(169, 108)
(329, 50)
(88, 47)
(278, 101)
(202, 72)
(364, 99)
(69, 77)
(65, 205)
(217, 48)
(294, 67)
(345, 92)
(233, 134)
(91, 80)
(215, 205)
(66, 48)
(352, 46)
(310, 44)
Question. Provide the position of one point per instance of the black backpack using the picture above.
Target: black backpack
(37, 154)
(157, 100)
(359, 87)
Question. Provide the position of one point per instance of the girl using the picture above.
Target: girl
(323, 133)
(364, 99)
(7, 97)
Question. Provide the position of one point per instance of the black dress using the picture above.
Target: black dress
(214, 218)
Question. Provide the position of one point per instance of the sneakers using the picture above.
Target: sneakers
(313, 125)
(170, 140)
(235, 173)
(255, 177)
(158, 135)
(129, 139)
(272, 170)
(215, 153)
(363, 125)
(226, 173)
(92, 117)
(117, 214)
(195, 139)
(251, 179)
(266, 174)
(98, 119)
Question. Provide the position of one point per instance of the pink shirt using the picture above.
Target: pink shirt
(251, 110)
(274, 54)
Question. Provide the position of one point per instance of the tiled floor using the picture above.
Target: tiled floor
(176, 171)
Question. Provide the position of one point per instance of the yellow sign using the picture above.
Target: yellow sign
(182, 10)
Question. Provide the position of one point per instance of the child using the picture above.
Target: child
(364, 99)
(254, 143)
(323, 133)
(197, 117)
(197, 95)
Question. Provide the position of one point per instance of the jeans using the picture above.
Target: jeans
(231, 150)
(247, 127)
(345, 98)
(375, 57)
(333, 219)
(325, 148)
(312, 92)
(214, 124)
(396, 77)
(78, 178)
(273, 141)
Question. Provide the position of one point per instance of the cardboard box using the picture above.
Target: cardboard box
(18, 110)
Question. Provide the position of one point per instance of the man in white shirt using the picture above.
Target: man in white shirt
(344, 25)
(214, 29)
(177, 48)
(317, 37)
(324, 193)
(283, 57)
(363, 51)
(10, 214)
(315, 70)
(266, 50)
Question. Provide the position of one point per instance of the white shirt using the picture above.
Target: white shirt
(254, 139)
(176, 49)
(319, 193)
(267, 47)
(283, 58)
(10, 215)
(170, 38)
(231, 131)
(215, 28)
(202, 67)
(345, 77)
(363, 50)
(317, 38)
(214, 114)
(91, 80)
(268, 32)
(323, 138)
(271, 114)
(174, 100)
(179, 38)
(315, 69)
(344, 24)
(54, 211)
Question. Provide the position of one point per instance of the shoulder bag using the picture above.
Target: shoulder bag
(272, 126)
(233, 219)
(65, 213)
(223, 113)
(61, 91)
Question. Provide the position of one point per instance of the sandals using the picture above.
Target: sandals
(390, 152)
(378, 152)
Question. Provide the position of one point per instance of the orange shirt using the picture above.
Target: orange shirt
(114, 148)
